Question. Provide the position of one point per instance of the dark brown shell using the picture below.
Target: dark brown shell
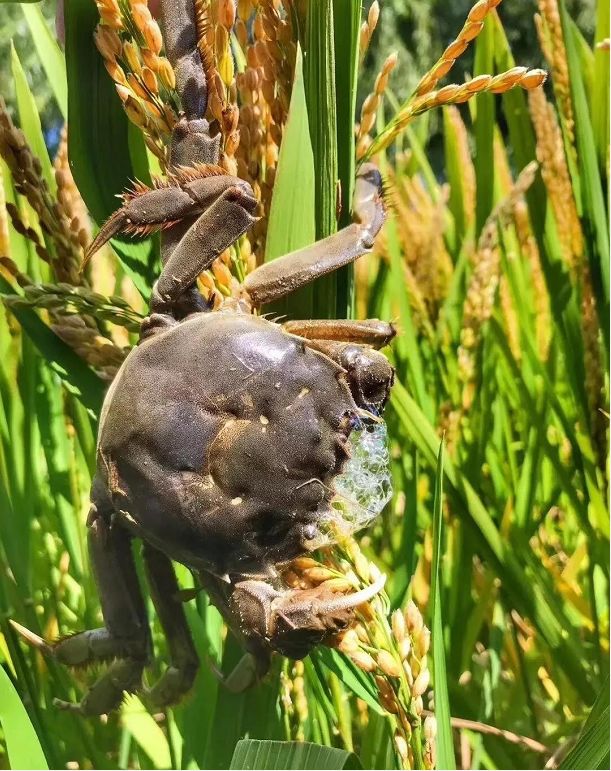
(220, 438)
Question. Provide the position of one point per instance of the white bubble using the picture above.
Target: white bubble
(364, 487)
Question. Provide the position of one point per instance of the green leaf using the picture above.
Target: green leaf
(456, 176)
(408, 350)
(530, 593)
(253, 712)
(29, 120)
(146, 732)
(24, 750)
(319, 76)
(445, 744)
(484, 129)
(49, 54)
(291, 221)
(600, 92)
(261, 754)
(592, 747)
(99, 148)
(354, 678)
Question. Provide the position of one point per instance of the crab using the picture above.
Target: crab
(222, 432)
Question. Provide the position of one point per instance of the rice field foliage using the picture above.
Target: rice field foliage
(489, 647)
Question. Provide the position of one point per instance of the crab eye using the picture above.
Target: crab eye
(370, 376)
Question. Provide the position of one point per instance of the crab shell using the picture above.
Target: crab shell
(219, 441)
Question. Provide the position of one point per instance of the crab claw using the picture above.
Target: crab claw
(293, 621)
(322, 608)
(32, 639)
(303, 619)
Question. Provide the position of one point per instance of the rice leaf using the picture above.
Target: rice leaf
(76, 375)
(483, 127)
(49, 54)
(24, 750)
(291, 221)
(346, 42)
(445, 744)
(29, 120)
(599, 94)
(594, 215)
(592, 747)
(358, 682)
(319, 79)
(529, 594)
(146, 732)
(257, 754)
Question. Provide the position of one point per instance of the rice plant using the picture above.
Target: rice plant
(489, 646)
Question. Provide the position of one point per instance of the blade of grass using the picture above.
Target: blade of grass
(146, 732)
(354, 678)
(252, 753)
(484, 124)
(291, 220)
(24, 750)
(445, 744)
(592, 747)
(594, 215)
(600, 93)
(30, 119)
(529, 597)
(76, 375)
(49, 55)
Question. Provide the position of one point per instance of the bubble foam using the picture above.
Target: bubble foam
(364, 487)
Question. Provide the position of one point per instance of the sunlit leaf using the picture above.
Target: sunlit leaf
(256, 754)
(24, 750)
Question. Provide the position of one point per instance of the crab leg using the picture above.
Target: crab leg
(213, 232)
(371, 332)
(125, 617)
(178, 677)
(180, 41)
(126, 636)
(280, 277)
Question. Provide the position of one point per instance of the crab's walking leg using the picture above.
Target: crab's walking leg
(191, 140)
(213, 232)
(371, 332)
(280, 277)
(180, 41)
(178, 677)
(126, 637)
